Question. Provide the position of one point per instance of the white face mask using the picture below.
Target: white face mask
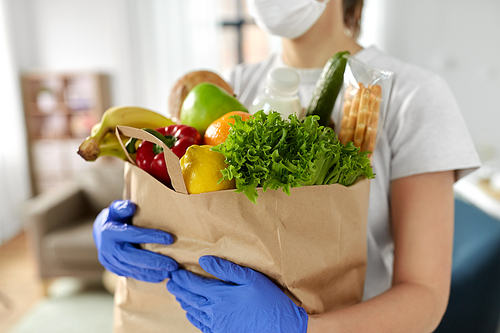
(286, 18)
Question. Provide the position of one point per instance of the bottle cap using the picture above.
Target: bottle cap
(283, 81)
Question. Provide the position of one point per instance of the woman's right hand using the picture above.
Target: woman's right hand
(117, 241)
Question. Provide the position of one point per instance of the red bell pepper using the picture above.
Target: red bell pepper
(178, 138)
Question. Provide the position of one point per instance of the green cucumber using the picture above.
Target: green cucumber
(327, 88)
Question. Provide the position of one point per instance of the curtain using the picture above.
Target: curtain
(14, 175)
(166, 39)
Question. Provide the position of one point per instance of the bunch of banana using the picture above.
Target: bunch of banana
(103, 141)
(110, 146)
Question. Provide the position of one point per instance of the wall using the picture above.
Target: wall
(459, 39)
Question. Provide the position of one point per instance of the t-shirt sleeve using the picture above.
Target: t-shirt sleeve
(228, 76)
(429, 134)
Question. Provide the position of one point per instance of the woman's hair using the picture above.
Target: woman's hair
(352, 15)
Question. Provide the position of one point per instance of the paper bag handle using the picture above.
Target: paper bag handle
(171, 160)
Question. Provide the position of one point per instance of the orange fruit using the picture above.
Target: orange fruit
(218, 131)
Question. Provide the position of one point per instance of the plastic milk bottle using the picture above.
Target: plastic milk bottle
(280, 94)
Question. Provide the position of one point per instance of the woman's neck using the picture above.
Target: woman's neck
(305, 54)
(324, 39)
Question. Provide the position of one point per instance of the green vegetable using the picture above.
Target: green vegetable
(272, 152)
(327, 88)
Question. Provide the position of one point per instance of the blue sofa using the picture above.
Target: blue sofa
(474, 304)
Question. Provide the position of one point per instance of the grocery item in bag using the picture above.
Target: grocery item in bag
(364, 100)
(282, 85)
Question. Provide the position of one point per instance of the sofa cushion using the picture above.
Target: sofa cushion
(102, 184)
(72, 245)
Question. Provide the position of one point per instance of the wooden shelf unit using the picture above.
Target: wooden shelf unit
(60, 110)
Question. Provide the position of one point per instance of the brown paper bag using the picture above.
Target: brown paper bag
(312, 243)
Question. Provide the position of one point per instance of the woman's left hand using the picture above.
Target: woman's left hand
(244, 301)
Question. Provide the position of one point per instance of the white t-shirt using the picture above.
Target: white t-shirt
(424, 131)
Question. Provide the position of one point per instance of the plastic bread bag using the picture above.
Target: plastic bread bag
(360, 112)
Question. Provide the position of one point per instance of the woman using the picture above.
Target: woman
(422, 150)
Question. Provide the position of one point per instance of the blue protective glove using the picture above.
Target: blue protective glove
(246, 302)
(116, 245)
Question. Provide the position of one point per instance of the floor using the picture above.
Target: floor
(19, 286)
(74, 306)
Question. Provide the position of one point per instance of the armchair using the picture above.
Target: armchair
(58, 224)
